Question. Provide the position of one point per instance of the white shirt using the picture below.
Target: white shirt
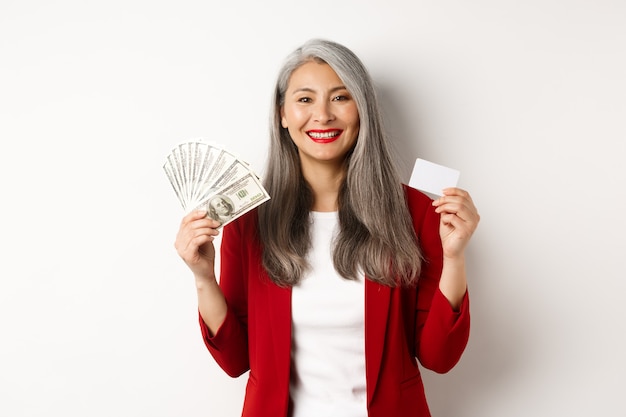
(328, 335)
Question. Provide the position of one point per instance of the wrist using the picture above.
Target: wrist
(206, 282)
(453, 282)
(454, 260)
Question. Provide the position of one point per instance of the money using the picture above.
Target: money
(206, 176)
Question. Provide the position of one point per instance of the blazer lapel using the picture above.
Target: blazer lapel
(377, 301)
(279, 311)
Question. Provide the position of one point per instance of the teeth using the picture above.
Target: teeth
(324, 135)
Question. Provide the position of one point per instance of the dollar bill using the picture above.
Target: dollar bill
(205, 175)
(174, 173)
(235, 199)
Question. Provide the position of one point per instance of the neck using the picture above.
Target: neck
(325, 183)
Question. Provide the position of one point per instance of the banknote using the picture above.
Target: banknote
(205, 175)
(235, 199)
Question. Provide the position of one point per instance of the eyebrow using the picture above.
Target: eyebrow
(311, 90)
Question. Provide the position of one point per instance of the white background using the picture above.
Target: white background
(527, 99)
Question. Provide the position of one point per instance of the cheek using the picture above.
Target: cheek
(351, 115)
(355, 127)
(294, 117)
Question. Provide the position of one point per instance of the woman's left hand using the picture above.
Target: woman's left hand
(459, 219)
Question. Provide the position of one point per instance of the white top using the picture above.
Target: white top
(328, 336)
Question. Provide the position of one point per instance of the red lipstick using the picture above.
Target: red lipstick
(324, 135)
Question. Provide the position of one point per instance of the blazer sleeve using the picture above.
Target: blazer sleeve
(441, 332)
(229, 345)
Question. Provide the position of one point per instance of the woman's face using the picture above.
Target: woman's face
(320, 114)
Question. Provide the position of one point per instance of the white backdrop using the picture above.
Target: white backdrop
(526, 99)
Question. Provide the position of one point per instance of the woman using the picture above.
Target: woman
(332, 291)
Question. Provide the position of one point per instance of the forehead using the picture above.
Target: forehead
(314, 75)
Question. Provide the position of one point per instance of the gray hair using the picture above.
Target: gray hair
(375, 224)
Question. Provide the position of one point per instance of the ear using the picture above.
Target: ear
(283, 120)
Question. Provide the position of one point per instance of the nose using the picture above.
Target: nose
(323, 112)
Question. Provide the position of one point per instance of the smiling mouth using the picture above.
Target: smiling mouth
(324, 136)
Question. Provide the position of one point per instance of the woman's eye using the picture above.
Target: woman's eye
(304, 100)
(340, 98)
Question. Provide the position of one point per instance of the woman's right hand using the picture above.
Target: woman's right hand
(194, 244)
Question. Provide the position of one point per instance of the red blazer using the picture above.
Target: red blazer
(402, 325)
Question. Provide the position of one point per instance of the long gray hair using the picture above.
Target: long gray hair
(376, 234)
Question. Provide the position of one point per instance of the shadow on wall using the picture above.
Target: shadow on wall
(497, 343)
(494, 356)
(404, 141)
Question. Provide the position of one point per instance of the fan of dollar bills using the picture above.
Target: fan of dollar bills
(206, 176)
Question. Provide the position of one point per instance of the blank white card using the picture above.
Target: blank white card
(433, 178)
